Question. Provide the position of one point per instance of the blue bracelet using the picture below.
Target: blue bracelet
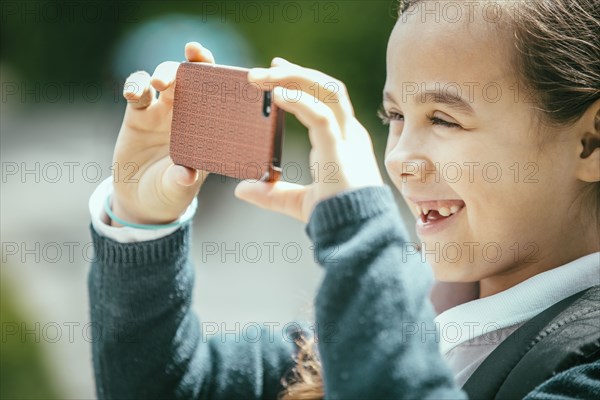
(191, 210)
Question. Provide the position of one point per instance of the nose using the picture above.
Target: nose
(406, 156)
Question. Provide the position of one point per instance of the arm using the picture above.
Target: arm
(147, 341)
(374, 304)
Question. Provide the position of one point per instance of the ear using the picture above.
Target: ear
(588, 168)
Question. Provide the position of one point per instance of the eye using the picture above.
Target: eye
(389, 116)
(442, 122)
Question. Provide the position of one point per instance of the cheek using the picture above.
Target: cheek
(498, 208)
(392, 141)
(463, 172)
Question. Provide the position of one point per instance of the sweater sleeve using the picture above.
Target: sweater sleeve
(375, 330)
(580, 382)
(147, 343)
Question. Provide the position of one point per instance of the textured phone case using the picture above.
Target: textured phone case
(225, 125)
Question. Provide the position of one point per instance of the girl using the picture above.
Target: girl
(494, 117)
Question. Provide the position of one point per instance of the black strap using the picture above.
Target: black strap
(571, 339)
(492, 374)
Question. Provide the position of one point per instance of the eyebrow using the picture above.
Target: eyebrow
(436, 96)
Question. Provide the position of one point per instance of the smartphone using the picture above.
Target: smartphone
(224, 124)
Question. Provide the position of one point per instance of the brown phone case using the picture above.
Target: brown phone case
(225, 125)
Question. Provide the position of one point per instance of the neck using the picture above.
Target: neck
(524, 270)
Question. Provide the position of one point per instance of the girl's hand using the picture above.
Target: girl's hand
(339, 142)
(148, 187)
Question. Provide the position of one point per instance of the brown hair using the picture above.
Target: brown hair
(558, 58)
(305, 381)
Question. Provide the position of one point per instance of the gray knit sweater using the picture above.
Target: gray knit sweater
(149, 344)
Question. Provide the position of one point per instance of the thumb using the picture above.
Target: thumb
(279, 196)
(278, 62)
(180, 181)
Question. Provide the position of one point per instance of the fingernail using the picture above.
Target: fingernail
(190, 180)
(181, 175)
(280, 60)
(258, 73)
(239, 190)
(132, 90)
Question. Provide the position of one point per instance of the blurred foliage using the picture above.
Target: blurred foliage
(23, 373)
(65, 41)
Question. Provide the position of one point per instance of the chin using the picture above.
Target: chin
(450, 272)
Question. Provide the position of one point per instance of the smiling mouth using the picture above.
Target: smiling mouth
(436, 210)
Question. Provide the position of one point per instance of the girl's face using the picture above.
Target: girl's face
(463, 138)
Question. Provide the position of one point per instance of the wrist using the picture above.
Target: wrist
(121, 213)
(100, 218)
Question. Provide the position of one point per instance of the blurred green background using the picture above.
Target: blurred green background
(62, 66)
(53, 41)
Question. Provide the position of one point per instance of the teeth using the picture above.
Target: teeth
(444, 211)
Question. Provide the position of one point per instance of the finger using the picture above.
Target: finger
(327, 89)
(282, 197)
(181, 175)
(323, 129)
(179, 182)
(163, 80)
(195, 52)
(277, 61)
(137, 90)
